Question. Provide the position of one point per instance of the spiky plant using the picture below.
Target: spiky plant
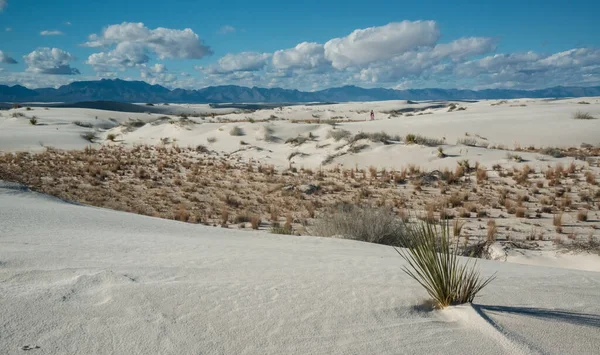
(434, 263)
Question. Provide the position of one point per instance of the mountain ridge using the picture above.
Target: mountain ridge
(140, 91)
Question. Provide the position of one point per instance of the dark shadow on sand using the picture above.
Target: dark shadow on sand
(590, 320)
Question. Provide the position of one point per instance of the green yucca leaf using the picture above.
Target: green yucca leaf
(434, 264)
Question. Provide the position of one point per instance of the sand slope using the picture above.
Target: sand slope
(82, 280)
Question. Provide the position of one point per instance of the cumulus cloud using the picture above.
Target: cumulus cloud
(240, 62)
(304, 56)
(50, 61)
(6, 59)
(378, 43)
(51, 33)
(8, 29)
(227, 29)
(134, 43)
(432, 59)
(3, 5)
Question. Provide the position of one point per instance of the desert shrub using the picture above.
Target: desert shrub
(276, 228)
(89, 136)
(211, 139)
(580, 115)
(236, 131)
(111, 137)
(553, 152)
(255, 222)
(339, 134)
(202, 149)
(472, 142)
(296, 141)
(268, 134)
(374, 225)
(82, 124)
(373, 137)
(435, 265)
(582, 215)
(33, 121)
(426, 141)
(492, 231)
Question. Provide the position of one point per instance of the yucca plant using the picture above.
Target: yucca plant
(434, 263)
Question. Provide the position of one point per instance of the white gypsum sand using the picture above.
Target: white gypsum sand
(78, 279)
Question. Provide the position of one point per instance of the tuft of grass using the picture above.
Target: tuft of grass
(111, 137)
(582, 215)
(580, 115)
(89, 136)
(33, 121)
(557, 221)
(236, 131)
(435, 265)
(83, 124)
(339, 134)
(374, 225)
(421, 140)
(492, 231)
(211, 140)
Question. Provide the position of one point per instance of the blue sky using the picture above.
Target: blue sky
(306, 45)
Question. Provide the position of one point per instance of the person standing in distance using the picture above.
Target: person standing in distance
(372, 115)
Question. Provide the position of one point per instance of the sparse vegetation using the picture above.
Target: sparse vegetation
(236, 131)
(89, 136)
(339, 134)
(374, 225)
(580, 115)
(435, 265)
(83, 124)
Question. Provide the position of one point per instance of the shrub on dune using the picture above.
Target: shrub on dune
(434, 263)
(580, 115)
(236, 131)
(374, 225)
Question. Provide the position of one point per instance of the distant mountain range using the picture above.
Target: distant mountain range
(140, 91)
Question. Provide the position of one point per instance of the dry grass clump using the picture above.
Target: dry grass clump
(492, 231)
(374, 225)
(434, 263)
(339, 134)
(582, 215)
(237, 131)
(580, 115)
(557, 221)
(421, 140)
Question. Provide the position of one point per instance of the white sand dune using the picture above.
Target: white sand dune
(82, 280)
(514, 123)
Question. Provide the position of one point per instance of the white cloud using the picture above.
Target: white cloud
(50, 61)
(304, 56)
(165, 42)
(421, 60)
(6, 59)
(157, 74)
(379, 43)
(8, 29)
(68, 23)
(125, 55)
(51, 33)
(134, 43)
(3, 5)
(240, 62)
(227, 29)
